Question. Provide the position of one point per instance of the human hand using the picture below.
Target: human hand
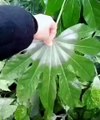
(47, 29)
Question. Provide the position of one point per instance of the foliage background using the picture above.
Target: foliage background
(84, 103)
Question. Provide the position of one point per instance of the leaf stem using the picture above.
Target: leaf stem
(62, 7)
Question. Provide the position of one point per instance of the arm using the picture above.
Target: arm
(17, 28)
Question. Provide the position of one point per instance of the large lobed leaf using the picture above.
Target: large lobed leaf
(57, 60)
(48, 63)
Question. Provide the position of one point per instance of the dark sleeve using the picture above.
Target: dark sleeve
(17, 28)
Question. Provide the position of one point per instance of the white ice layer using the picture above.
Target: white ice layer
(58, 53)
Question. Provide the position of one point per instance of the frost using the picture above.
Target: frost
(59, 52)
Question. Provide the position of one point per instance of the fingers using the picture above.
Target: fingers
(42, 35)
(52, 34)
(52, 31)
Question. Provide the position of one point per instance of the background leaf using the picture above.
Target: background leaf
(21, 113)
(6, 110)
(92, 96)
(71, 13)
(51, 8)
(91, 13)
(4, 84)
(15, 67)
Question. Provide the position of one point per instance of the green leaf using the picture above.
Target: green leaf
(76, 32)
(35, 105)
(88, 46)
(4, 85)
(15, 67)
(3, 2)
(48, 89)
(1, 65)
(45, 1)
(92, 97)
(6, 110)
(83, 68)
(28, 83)
(69, 88)
(53, 6)
(87, 100)
(5, 101)
(91, 13)
(71, 13)
(97, 34)
(21, 113)
(95, 91)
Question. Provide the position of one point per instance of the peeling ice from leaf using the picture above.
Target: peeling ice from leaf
(59, 52)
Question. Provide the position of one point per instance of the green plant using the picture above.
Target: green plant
(46, 83)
